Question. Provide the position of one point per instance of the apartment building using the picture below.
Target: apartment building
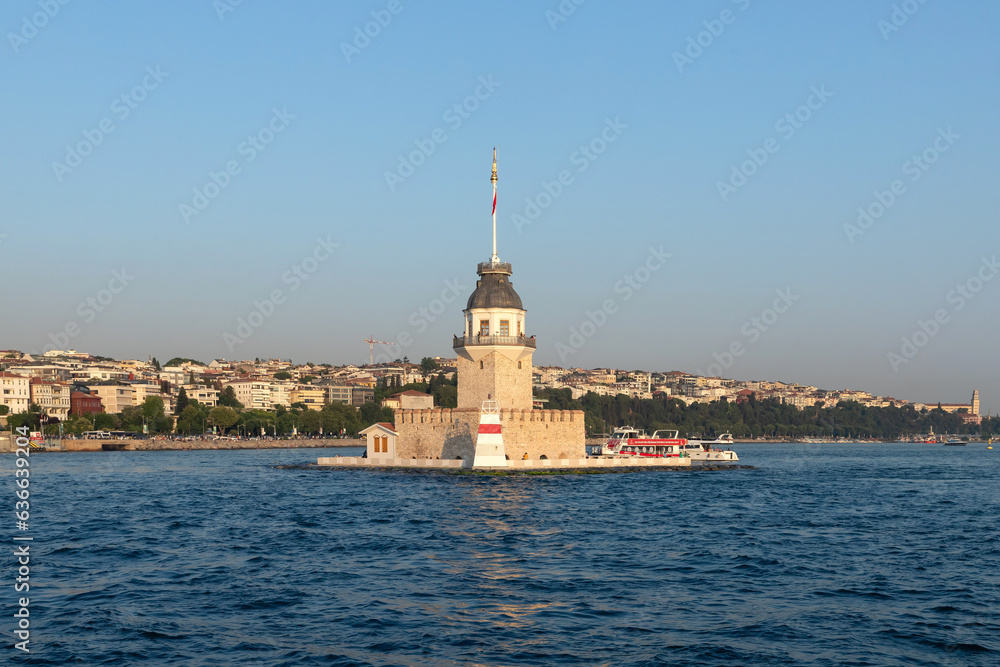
(15, 392)
(51, 397)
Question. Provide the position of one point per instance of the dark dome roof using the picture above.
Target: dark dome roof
(494, 290)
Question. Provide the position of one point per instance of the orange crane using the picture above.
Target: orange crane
(371, 348)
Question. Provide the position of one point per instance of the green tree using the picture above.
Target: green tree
(223, 417)
(282, 375)
(182, 401)
(104, 422)
(310, 422)
(427, 365)
(337, 416)
(228, 398)
(152, 407)
(177, 361)
(30, 420)
(192, 419)
(374, 412)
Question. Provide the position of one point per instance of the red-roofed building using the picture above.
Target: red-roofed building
(83, 403)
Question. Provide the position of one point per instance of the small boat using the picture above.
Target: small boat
(955, 442)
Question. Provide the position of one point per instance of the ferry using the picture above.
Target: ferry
(630, 441)
(955, 442)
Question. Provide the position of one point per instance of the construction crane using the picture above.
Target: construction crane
(371, 348)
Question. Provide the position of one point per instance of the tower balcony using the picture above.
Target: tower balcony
(494, 267)
(461, 342)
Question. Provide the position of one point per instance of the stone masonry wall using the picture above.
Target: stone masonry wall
(448, 433)
(500, 378)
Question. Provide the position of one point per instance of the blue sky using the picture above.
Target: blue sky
(201, 85)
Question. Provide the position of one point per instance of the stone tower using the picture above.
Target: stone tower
(975, 401)
(494, 352)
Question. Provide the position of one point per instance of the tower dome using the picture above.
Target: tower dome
(494, 289)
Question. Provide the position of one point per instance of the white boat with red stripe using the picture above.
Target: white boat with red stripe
(629, 441)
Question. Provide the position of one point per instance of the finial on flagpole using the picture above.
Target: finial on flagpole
(493, 178)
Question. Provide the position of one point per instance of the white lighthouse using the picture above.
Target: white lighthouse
(494, 351)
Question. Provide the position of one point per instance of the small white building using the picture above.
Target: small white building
(381, 438)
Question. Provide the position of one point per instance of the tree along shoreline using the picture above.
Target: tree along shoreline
(768, 418)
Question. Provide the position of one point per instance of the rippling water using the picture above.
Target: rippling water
(825, 555)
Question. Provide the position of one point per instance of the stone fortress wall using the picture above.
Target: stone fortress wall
(448, 433)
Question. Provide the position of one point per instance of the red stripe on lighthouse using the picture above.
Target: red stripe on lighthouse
(489, 428)
(494, 202)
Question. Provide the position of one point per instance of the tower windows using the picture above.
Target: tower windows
(504, 328)
(480, 364)
(519, 328)
(519, 365)
(484, 327)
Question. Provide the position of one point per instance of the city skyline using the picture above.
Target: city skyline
(825, 222)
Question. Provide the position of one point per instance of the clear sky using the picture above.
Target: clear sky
(739, 137)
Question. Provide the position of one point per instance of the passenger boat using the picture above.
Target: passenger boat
(630, 441)
(955, 442)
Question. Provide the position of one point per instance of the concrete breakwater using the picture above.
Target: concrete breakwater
(7, 444)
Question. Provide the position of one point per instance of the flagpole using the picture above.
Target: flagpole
(493, 179)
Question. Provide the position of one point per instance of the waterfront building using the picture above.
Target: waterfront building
(142, 390)
(494, 356)
(313, 397)
(335, 393)
(52, 397)
(15, 392)
(207, 396)
(82, 403)
(115, 397)
(253, 394)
